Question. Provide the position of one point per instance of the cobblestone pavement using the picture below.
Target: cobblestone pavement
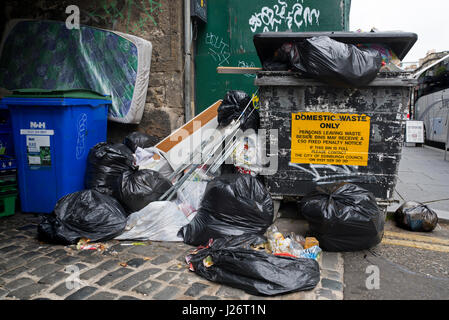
(32, 270)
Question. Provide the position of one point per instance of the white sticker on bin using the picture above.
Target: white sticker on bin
(37, 132)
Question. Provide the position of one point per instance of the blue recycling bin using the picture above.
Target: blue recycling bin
(53, 132)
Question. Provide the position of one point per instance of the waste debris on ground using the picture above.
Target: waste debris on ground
(84, 214)
(416, 216)
(292, 245)
(233, 261)
(343, 217)
(233, 204)
(85, 244)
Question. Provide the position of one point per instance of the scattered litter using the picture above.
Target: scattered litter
(84, 214)
(416, 216)
(123, 264)
(232, 261)
(292, 245)
(233, 204)
(343, 217)
(134, 244)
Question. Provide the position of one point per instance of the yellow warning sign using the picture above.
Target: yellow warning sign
(330, 138)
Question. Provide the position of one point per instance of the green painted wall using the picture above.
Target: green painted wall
(227, 39)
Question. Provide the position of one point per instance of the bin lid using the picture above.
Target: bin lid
(44, 93)
(400, 42)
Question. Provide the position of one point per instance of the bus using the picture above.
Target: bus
(431, 102)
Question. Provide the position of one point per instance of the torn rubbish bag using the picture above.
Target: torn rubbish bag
(105, 164)
(233, 105)
(139, 140)
(231, 261)
(335, 62)
(85, 214)
(136, 189)
(232, 204)
(416, 216)
(159, 221)
(343, 217)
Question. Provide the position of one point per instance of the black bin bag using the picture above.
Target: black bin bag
(139, 140)
(105, 164)
(416, 216)
(137, 189)
(335, 62)
(84, 214)
(231, 261)
(233, 204)
(233, 105)
(343, 217)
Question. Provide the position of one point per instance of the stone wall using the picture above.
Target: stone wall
(159, 21)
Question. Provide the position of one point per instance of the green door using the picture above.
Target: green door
(227, 38)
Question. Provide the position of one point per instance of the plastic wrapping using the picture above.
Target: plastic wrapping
(48, 55)
(139, 140)
(136, 189)
(247, 155)
(416, 216)
(335, 62)
(189, 197)
(85, 214)
(105, 164)
(159, 221)
(343, 217)
(232, 106)
(232, 204)
(154, 159)
(232, 262)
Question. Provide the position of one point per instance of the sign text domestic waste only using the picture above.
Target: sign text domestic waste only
(330, 138)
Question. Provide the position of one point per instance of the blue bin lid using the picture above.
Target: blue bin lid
(55, 97)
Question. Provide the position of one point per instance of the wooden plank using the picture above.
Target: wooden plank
(238, 70)
(204, 117)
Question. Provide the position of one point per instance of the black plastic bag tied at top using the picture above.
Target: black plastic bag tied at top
(343, 217)
(233, 204)
(233, 105)
(416, 216)
(105, 164)
(231, 261)
(85, 214)
(137, 189)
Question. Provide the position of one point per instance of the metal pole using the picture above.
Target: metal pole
(187, 60)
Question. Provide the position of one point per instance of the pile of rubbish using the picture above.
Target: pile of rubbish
(134, 193)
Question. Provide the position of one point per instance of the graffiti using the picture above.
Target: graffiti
(349, 173)
(218, 49)
(280, 15)
(110, 12)
(244, 64)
